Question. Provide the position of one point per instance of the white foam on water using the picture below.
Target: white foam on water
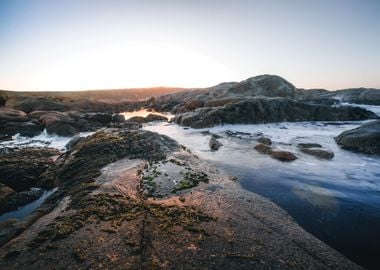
(42, 140)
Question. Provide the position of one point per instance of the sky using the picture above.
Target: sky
(108, 44)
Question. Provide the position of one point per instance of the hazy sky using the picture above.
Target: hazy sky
(79, 44)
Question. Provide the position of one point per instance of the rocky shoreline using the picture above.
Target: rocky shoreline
(106, 218)
(131, 198)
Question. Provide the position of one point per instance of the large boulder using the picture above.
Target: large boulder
(365, 138)
(21, 169)
(267, 110)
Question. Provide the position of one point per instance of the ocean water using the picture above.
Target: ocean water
(337, 200)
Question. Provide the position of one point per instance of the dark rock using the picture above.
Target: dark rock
(28, 129)
(20, 170)
(264, 140)
(61, 129)
(74, 141)
(365, 138)
(3, 100)
(155, 117)
(149, 118)
(283, 155)
(136, 119)
(319, 153)
(309, 145)
(262, 148)
(11, 115)
(118, 118)
(267, 110)
(107, 146)
(16, 200)
(126, 125)
(216, 136)
(103, 118)
(5, 192)
(13, 122)
(214, 144)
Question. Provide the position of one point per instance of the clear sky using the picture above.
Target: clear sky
(93, 44)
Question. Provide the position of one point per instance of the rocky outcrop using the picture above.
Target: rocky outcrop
(105, 146)
(21, 169)
(267, 110)
(365, 138)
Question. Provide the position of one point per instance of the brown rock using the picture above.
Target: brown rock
(283, 155)
(262, 148)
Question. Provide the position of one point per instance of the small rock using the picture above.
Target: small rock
(309, 145)
(214, 144)
(283, 155)
(264, 140)
(319, 153)
(118, 118)
(262, 148)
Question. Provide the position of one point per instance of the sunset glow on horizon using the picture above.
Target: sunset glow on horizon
(77, 45)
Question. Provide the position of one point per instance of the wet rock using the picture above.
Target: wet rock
(263, 148)
(319, 153)
(126, 125)
(5, 192)
(11, 115)
(283, 155)
(16, 200)
(155, 117)
(268, 110)
(149, 118)
(28, 129)
(20, 170)
(74, 141)
(118, 118)
(264, 140)
(214, 144)
(106, 146)
(365, 138)
(309, 145)
(216, 136)
(13, 122)
(136, 119)
(62, 129)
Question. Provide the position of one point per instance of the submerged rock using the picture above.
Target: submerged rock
(264, 140)
(214, 144)
(318, 152)
(283, 155)
(309, 145)
(263, 148)
(365, 138)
